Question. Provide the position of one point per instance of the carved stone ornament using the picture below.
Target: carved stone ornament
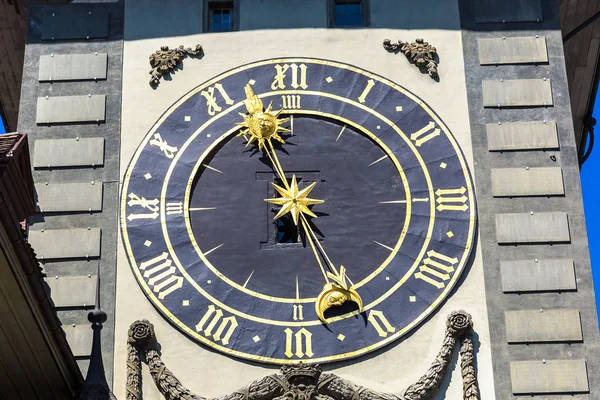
(420, 52)
(303, 381)
(165, 60)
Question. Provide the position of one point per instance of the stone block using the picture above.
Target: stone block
(517, 93)
(508, 182)
(48, 153)
(534, 135)
(65, 243)
(65, 109)
(507, 11)
(538, 275)
(549, 376)
(546, 227)
(57, 197)
(70, 23)
(79, 338)
(72, 67)
(526, 326)
(512, 50)
(72, 291)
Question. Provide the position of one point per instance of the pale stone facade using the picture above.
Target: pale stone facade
(506, 103)
(270, 29)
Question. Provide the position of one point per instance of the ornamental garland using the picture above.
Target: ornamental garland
(303, 381)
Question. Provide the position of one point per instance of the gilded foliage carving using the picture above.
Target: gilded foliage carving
(303, 381)
(165, 60)
(419, 52)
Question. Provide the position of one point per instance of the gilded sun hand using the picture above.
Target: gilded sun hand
(261, 126)
(294, 201)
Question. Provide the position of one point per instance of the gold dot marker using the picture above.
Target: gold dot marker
(341, 337)
(256, 339)
(412, 299)
(147, 176)
(443, 165)
(185, 303)
(329, 79)
(449, 234)
(147, 243)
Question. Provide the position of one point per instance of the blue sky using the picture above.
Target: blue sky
(591, 190)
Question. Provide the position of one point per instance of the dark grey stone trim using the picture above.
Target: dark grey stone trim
(107, 175)
(488, 206)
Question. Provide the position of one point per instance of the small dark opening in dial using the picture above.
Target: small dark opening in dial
(287, 231)
(345, 308)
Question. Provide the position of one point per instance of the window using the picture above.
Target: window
(348, 13)
(220, 16)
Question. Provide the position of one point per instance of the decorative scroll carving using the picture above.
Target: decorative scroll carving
(302, 381)
(165, 60)
(458, 326)
(420, 52)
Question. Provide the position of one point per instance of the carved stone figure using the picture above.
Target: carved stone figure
(303, 381)
(419, 52)
(165, 60)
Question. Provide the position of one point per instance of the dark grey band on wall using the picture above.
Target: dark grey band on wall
(77, 169)
(543, 358)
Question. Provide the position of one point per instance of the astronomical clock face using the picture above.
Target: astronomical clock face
(298, 210)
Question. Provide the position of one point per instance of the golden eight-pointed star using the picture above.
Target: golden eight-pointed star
(294, 201)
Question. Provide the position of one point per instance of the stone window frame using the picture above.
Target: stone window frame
(211, 4)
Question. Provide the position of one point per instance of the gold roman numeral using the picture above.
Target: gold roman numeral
(214, 325)
(436, 269)
(168, 151)
(174, 208)
(212, 107)
(297, 71)
(290, 101)
(380, 323)
(151, 206)
(298, 316)
(161, 274)
(301, 341)
(363, 96)
(425, 134)
(451, 199)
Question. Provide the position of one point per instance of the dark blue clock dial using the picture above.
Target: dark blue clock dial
(398, 212)
(352, 174)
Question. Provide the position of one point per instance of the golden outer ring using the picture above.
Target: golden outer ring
(356, 353)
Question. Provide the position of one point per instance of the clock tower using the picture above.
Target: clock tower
(313, 195)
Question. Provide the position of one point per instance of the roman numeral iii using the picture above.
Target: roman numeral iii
(451, 199)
